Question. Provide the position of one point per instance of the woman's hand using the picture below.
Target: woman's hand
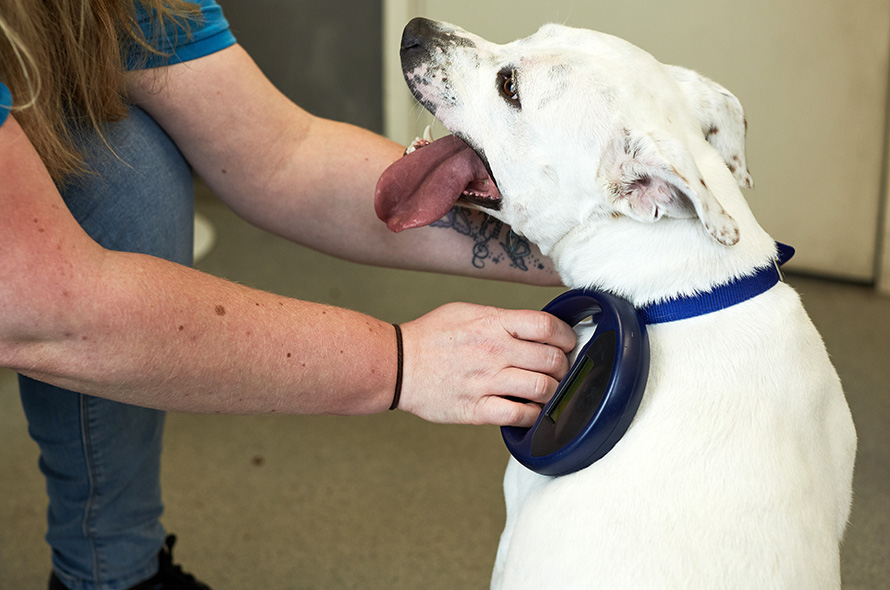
(472, 364)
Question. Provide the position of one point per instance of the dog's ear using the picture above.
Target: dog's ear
(721, 117)
(648, 178)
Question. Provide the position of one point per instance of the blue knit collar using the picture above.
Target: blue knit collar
(720, 297)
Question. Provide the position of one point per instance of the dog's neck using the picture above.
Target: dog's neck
(646, 263)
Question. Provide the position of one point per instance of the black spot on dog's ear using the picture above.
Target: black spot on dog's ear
(712, 131)
(631, 145)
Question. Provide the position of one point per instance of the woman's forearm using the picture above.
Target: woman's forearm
(310, 179)
(153, 333)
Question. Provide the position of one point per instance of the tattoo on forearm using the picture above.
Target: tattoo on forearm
(485, 230)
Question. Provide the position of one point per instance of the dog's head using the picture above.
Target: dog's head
(562, 129)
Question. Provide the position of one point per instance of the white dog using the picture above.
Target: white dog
(737, 469)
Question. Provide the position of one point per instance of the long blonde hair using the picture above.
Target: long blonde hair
(67, 59)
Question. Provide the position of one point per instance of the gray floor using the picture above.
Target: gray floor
(389, 501)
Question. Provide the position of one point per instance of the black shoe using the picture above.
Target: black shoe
(169, 576)
(55, 583)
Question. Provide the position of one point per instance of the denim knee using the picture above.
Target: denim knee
(101, 458)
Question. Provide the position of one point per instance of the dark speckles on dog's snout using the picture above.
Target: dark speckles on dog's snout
(455, 40)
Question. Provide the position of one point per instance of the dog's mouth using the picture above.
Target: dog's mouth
(423, 186)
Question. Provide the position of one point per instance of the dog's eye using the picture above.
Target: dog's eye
(507, 84)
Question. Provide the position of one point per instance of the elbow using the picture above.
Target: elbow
(42, 314)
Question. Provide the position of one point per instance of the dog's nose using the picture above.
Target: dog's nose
(416, 32)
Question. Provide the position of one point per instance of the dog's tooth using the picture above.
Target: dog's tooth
(417, 143)
(428, 134)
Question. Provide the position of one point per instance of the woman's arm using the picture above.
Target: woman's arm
(142, 330)
(308, 179)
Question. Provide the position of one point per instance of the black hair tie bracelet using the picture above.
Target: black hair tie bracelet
(400, 361)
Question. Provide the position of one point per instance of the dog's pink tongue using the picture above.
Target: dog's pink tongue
(421, 187)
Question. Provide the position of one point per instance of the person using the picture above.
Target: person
(106, 107)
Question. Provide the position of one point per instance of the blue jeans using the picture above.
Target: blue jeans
(101, 458)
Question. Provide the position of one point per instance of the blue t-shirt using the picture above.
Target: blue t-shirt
(5, 102)
(205, 36)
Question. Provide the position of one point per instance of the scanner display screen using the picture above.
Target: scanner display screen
(578, 379)
(581, 395)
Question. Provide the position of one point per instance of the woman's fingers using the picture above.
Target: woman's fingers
(473, 364)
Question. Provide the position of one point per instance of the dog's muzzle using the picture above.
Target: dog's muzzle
(425, 184)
